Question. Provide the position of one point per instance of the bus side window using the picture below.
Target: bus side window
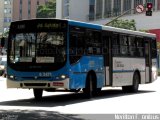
(132, 46)
(123, 45)
(140, 47)
(93, 42)
(154, 49)
(76, 43)
(115, 45)
(72, 44)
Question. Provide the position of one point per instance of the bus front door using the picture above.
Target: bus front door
(148, 61)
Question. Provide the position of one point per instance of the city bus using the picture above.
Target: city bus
(58, 54)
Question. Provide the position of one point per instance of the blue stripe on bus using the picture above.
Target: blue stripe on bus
(123, 71)
(87, 25)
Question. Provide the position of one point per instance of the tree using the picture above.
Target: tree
(6, 33)
(158, 45)
(125, 24)
(47, 10)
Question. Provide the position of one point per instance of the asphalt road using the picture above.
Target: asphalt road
(19, 104)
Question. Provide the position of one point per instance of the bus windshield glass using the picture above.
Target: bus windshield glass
(37, 48)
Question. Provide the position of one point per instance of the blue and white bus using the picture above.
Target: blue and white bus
(53, 54)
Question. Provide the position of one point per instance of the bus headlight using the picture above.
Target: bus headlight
(11, 77)
(63, 76)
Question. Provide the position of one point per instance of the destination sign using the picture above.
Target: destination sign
(51, 26)
(38, 25)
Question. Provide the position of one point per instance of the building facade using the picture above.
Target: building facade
(5, 15)
(25, 9)
(13, 10)
(72, 9)
(102, 11)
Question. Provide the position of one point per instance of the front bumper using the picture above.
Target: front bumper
(29, 84)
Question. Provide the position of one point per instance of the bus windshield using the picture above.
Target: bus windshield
(37, 49)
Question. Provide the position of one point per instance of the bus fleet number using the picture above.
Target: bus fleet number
(45, 74)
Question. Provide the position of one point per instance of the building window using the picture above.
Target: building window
(127, 5)
(66, 2)
(91, 9)
(20, 2)
(29, 9)
(38, 2)
(7, 2)
(117, 7)
(66, 9)
(20, 14)
(29, 14)
(20, 10)
(107, 8)
(46, 1)
(7, 19)
(99, 7)
(7, 10)
(29, 2)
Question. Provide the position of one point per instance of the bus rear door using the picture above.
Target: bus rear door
(148, 63)
(107, 36)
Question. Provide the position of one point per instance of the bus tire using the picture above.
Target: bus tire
(98, 90)
(133, 88)
(38, 94)
(136, 81)
(88, 90)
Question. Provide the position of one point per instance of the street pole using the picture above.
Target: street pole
(120, 16)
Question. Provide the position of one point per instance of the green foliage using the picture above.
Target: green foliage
(125, 24)
(48, 10)
(158, 45)
(142, 30)
(6, 34)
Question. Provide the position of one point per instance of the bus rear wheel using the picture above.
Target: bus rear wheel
(38, 94)
(133, 88)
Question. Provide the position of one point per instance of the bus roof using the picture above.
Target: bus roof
(100, 27)
(108, 28)
(125, 31)
(84, 24)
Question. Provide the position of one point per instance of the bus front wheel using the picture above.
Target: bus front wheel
(88, 90)
(38, 94)
(91, 90)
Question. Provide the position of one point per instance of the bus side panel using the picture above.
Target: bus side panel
(124, 68)
(154, 70)
(79, 71)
